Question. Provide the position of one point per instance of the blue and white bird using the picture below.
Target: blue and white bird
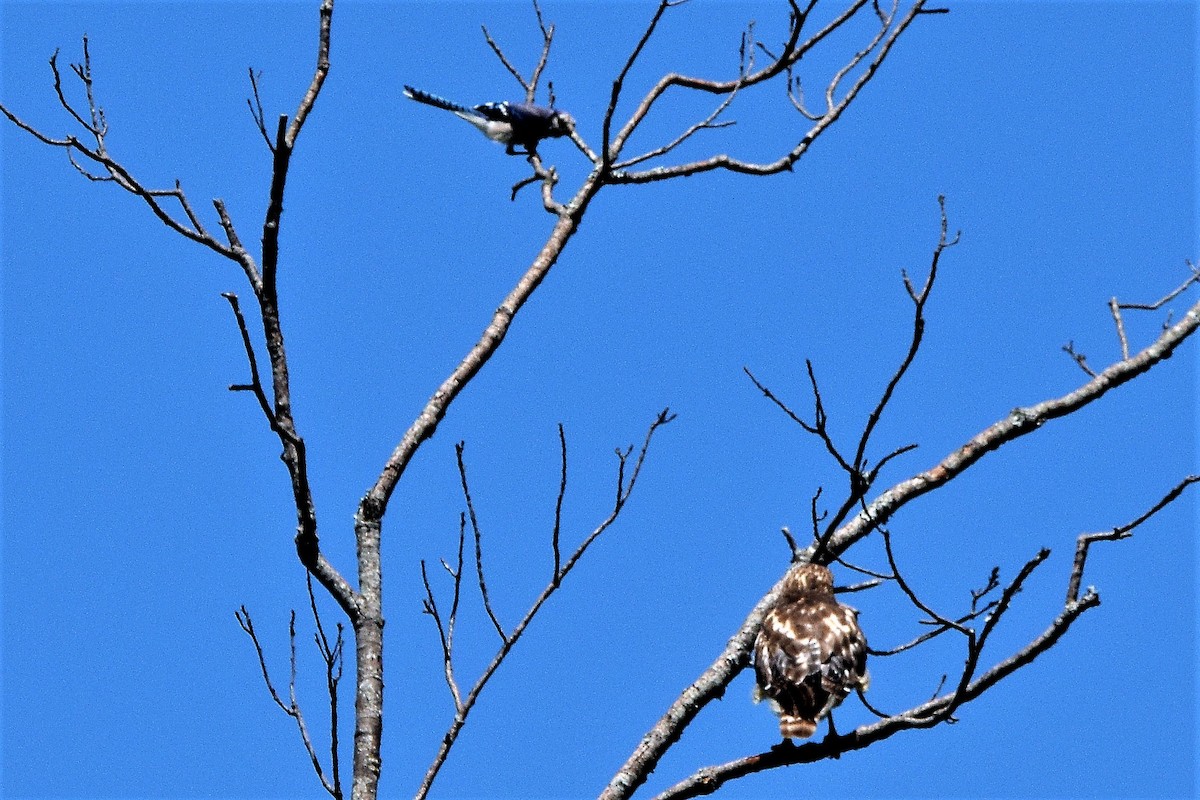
(510, 124)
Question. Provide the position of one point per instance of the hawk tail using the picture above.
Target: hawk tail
(796, 727)
(435, 101)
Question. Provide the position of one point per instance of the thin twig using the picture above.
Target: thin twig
(558, 504)
(626, 480)
(292, 707)
(1119, 532)
(504, 59)
(1079, 358)
(793, 548)
(332, 656)
(1115, 309)
(255, 386)
(934, 632)
(429, 606)
(256, 109)
(1169, 296)
(487, 603)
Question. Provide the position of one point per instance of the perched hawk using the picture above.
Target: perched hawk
(810, 652)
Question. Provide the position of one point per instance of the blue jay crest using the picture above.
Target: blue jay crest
(510, 124)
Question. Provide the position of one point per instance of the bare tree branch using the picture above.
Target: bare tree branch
(1117, 533)
(97, 128)
(558, 503)
(1081, 359)
(860, 478)
(292, 707)
(256, 109)
(446, 631)
(626, 480)
(530, 85)
(483, 592)
(709, 779)
(880, 45)
(1169, 296)
(712, 683)
(331, 655)
(940, 707)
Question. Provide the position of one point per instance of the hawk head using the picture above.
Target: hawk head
(805, 579)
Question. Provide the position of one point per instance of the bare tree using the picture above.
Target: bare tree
(844, 526)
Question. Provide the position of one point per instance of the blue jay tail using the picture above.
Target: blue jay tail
(433, 100)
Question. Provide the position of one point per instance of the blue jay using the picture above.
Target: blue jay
(510, 124)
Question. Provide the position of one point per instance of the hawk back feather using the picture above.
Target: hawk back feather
(810, 653)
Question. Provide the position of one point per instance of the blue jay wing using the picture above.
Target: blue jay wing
(526, 114)
(497, 112)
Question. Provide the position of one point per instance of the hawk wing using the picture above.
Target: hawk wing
(808, 656)
(788, 649)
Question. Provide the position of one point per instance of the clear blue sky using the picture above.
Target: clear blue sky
(143, 503)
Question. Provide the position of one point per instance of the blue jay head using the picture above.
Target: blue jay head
(561, 124)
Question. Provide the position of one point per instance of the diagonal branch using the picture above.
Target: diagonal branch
(1117, 533)
(712, 683)
(256, 109)
(292, 707)
(374, 503)
(627, 476)
(1019, 422)
(939, 708)
(919, 298)
(709, 779)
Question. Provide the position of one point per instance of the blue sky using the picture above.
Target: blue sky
(143, 503)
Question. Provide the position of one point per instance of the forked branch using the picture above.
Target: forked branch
(860, 474)
(712, 683)
(627, 476)
(970, 685)
(1115, 308)
(866, 62)
(331, 654)
(530, 84)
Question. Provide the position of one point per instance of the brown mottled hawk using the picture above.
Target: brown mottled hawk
(810, 652)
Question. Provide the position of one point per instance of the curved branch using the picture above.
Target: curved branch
(708, 780)
(374, 503)
(735, 656)
(784, 62)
